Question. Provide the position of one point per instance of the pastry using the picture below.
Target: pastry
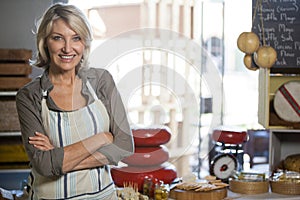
(292, 163)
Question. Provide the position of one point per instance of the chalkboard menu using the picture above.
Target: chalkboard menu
(281, 30)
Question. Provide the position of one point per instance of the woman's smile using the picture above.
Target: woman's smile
(66, 58)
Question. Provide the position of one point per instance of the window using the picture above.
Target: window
(160, 83)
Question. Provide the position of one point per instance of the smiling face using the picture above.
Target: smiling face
(65, 47)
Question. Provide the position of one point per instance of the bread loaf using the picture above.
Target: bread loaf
(292, 163)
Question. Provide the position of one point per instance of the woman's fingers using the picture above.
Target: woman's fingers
(41, 141)
(38, 137)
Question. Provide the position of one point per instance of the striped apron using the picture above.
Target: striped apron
(65, 128)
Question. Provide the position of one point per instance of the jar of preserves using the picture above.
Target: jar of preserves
(161, 191)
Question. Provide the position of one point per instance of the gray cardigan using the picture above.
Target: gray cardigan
(28, 101)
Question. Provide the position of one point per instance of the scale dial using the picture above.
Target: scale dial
(223, 166)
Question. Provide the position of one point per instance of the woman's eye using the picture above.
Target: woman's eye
(56, 37)
(77, 38)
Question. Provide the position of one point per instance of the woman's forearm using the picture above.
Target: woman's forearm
(95, 160)
(78, 154)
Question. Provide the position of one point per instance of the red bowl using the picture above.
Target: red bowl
(148, 156)
(149, 137)
(136, 175)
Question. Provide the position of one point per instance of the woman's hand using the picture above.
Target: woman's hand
(108, 138)
(41, 142)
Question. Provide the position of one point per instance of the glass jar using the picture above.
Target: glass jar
(148, 186)
(161, 191)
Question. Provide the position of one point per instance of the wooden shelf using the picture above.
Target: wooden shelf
(268, 85)
(9, 134)
(8, 93)
(282, 143)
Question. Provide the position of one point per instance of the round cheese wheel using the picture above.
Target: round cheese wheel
(136, 175)
(229, 135)
(152, 136)
(147, 156)
(287, 101)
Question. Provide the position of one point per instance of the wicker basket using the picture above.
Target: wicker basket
(282, 187)
(248, 187)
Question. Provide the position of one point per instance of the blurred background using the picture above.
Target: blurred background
(169, 89)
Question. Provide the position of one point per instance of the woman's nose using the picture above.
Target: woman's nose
(67, 47)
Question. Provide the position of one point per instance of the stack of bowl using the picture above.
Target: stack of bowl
(150, 158)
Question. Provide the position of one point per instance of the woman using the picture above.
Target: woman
(72, 119)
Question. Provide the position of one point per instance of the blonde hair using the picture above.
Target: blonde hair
(75, 18)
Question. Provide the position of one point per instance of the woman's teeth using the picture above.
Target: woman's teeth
(66, 57)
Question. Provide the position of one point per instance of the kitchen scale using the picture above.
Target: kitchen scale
(229, 149)
(223, 166)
